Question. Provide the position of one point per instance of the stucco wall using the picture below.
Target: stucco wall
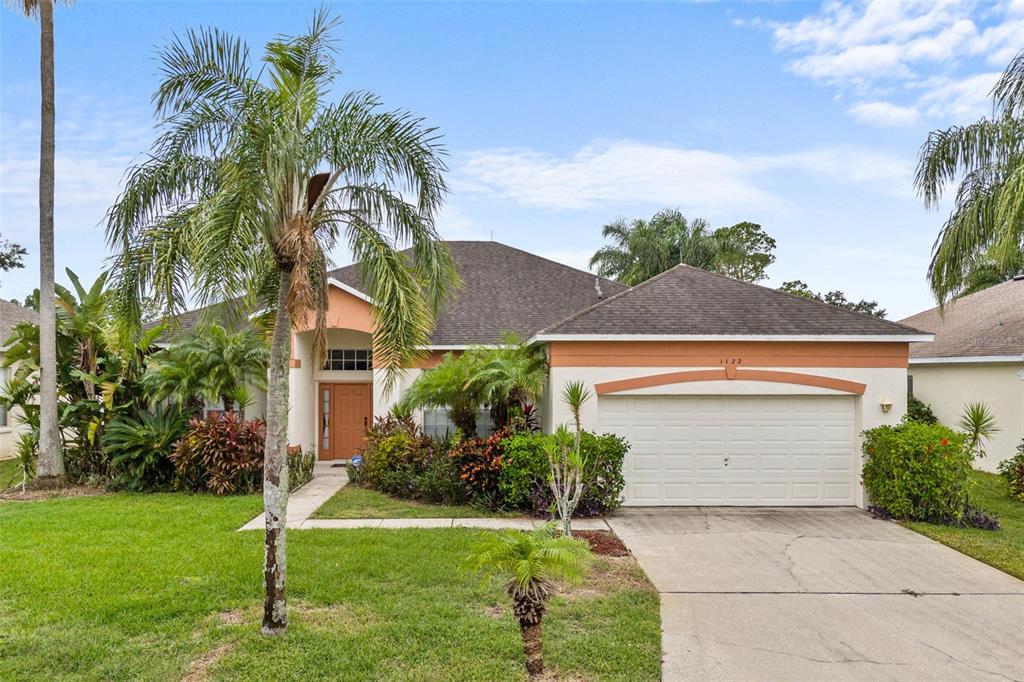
(9, 434)
(948, 387)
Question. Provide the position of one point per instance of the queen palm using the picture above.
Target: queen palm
(986, 225)
(253, 179)
(528, 562)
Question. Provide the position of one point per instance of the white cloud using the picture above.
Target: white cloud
(701, 181)
(884, 114)
(922, 53)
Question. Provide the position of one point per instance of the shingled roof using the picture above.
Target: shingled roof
(987, 323)
(10, 315)
(505, 289)
(689, 301)
(229, 314)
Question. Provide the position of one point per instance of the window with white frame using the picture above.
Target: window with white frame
(348, 359)
(437, 424)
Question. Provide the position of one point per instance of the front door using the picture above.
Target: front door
(345, 411)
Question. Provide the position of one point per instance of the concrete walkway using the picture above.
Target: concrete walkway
(821, 594)
(328, 479)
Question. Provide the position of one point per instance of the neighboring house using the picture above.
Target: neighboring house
(729, 393)
(10, 422)
(977, 356)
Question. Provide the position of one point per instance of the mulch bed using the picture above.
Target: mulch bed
(602, 542)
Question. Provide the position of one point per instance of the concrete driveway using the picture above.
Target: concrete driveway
(821, 594)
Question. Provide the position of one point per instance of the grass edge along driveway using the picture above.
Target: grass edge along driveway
(159, 586)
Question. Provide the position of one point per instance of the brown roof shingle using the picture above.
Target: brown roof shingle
(10, 315)
(989, 322)
(687, 300)
(505, 289)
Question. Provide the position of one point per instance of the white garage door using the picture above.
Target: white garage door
(735, 450)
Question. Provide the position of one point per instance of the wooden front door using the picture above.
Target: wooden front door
(345, 410)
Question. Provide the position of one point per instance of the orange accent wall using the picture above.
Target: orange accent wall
(741, 353)
(344, 311)
(434, 358)
(723, 375)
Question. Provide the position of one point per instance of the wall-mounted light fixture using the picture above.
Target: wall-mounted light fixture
(885, 404)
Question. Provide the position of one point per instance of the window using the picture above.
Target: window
(348, 359)
(437, 424)
(3, 386)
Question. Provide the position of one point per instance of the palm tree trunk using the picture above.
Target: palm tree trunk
(51, 459)
(275, 467)
(533, 648)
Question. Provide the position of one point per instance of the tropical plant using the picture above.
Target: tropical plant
(26, 450)
(1012, 470)
(140, 447)
(987, 159)
(222, 453)
(213, 363)
(50, 466)
(641, 249)
(527, 563)
(978, 422)
(837, 298)
(509, 377)
(478, 462)
(231, 201)
(566, 461)
(919, 411)
(451, 384)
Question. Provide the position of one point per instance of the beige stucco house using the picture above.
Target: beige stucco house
(10, 422)
(728, 393)
(977, 356)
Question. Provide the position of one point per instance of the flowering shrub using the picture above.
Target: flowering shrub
(222, 454)
(917, 471)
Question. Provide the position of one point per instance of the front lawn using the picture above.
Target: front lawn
(353, 502)
(160, 586)
(1003, 548)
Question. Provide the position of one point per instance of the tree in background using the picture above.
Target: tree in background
(986, 225)
(748, 251)
(641, 249)
(11, 255)
(836, 298)
(231, 200)
(50, 467)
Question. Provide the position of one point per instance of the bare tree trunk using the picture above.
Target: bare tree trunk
(51, 459)
(533, 648)
(275, 467)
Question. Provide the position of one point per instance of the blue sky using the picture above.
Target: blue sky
(804, 117)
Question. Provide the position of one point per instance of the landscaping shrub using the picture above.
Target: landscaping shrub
(523, 482)
(917, 471)
(300, 468)
(140, 449)
(478, 461)
(222, 453)
(919, 411)
(1013, 471)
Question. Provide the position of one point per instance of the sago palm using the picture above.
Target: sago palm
(253, 179)
(987, 219)
(527, 563)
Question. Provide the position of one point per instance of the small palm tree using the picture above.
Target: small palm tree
(509, 377)
(987, 158)
(978, 422)
(566, 462)
(528, 562)
(449, 385)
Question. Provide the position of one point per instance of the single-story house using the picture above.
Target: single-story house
(729, 393)
(977, 356)
(10, 422)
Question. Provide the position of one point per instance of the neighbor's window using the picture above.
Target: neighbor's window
(437, 424)
(348, 359)
(3, 386)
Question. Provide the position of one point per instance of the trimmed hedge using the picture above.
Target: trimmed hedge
(917, 471)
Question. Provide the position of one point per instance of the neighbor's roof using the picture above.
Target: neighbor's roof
(229, 314)
(505, 289)
(987, 323)
(10, 315)
(689, 301)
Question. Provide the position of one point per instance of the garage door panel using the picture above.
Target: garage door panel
(735, 450)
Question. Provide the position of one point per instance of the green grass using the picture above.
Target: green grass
(119, 587)
(1003, 548)
(352, 502)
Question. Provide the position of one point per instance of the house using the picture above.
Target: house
(729, 393)
(10, 423)
(977, 356)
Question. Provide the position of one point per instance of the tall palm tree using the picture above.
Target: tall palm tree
(253, 179)
(641, 249)
(987, 219)
(528, 562)
(50, 466)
